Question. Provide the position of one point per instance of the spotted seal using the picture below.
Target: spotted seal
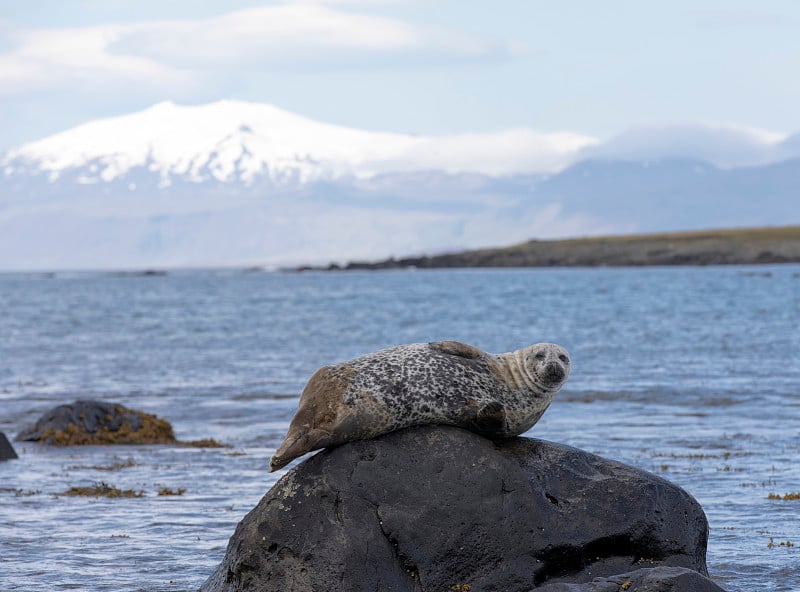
(446, 382)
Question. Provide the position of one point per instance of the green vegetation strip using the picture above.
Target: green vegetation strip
(704, 247)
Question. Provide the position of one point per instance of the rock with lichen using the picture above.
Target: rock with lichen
(438, 508)
(97, 422)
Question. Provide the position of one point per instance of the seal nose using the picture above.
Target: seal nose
(553, 372)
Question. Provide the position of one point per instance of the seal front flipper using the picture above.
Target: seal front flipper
(295, 446)
(457, 348)
(490, 420)
(315, 423)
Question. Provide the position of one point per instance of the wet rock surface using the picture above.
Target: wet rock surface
(440, 508)
(97, 422)
(6, 449)
(654, 579)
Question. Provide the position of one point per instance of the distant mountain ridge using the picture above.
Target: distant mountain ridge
(688, 194)
(236, 183)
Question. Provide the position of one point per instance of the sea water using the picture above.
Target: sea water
(691, 373)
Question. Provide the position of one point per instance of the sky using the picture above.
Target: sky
(422, 67)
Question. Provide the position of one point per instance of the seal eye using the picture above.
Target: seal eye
(563, 358)
(540, 356)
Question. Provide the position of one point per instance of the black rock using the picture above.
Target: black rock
(652, 579)
(89, 415)
(97, 422)
(6, 449)
(439, 508)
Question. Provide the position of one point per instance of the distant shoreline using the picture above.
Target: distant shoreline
(738, 246)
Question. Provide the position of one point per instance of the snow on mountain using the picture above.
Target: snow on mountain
(236, 141)
(236, 183)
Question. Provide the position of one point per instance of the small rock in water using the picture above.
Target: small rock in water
(6, 449)
(98, 422)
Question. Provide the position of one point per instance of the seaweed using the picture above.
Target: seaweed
(102, 489)
(115, 466)
(786, 497)
(204, 443)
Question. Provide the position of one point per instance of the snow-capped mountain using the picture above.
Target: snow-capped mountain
(236, 183)
(241, 142)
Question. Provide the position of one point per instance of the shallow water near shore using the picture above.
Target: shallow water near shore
(691, 373)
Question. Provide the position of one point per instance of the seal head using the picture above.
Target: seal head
(546, 365)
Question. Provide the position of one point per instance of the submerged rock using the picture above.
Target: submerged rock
(6, 449)
(440, 508)
(98, 422)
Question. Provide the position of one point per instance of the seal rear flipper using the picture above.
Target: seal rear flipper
(491, 420)
(296, 446)
(457, 348)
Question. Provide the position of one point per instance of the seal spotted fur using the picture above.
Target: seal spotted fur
(447, 382)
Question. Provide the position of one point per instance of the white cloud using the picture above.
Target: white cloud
(298, 34)
(356, 2)
(516, 151)
(725, 145)
(170, 54)
(57, 57)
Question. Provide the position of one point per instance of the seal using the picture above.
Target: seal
(445, 382)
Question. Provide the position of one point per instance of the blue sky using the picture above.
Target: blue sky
(428, 67)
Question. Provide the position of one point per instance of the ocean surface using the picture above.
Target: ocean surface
(691, 373)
